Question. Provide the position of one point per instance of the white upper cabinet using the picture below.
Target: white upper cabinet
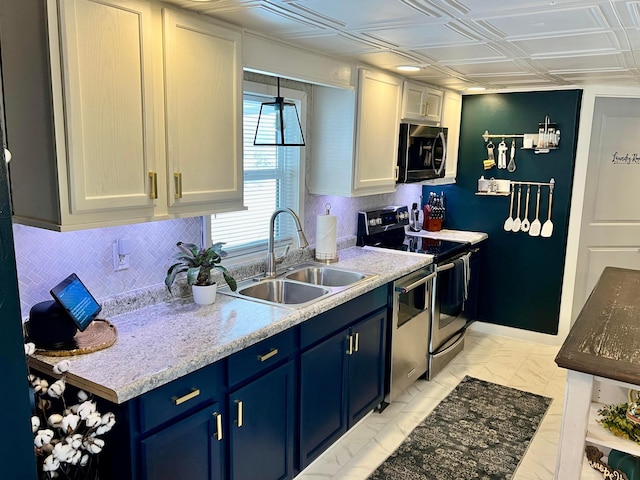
(379, 97)
(131, 121)
(203, 98)
(355, 137)
(108, 103)
(451, 116)
(421, 102)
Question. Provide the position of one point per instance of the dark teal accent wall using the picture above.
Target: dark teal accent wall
(16, 446)
(521, 283)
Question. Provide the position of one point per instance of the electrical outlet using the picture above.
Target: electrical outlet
(120, 262)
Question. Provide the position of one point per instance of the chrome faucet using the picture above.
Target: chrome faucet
(302, 240)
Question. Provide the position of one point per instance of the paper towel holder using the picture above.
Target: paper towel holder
(325, 257)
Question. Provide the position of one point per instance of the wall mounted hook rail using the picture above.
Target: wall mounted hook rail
(486, 135)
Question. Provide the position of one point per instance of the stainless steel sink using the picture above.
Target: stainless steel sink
(283, 292)
(298, 286)
(330, 277)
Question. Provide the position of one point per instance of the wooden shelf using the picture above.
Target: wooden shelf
(493, 194)
(600, 436)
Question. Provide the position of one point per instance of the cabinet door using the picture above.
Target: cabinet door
(366, 366)
(108, 104)
(433, 105)
(422, 103)
(261, 434)
(379, 102)
(203, 97)
(451, 115)
(322, 402)
(413, 101)
(191, 448)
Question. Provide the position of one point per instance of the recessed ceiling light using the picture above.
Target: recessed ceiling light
(408, 68)
(475, 89)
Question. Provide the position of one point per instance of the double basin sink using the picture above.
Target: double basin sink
(298, 286)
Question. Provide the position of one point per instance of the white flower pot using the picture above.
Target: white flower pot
(204, 294)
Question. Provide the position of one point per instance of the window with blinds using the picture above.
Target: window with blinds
(271, 181)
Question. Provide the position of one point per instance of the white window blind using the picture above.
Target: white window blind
(271, 181)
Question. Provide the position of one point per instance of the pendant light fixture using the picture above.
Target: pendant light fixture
(281, 116)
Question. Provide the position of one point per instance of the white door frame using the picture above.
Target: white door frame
(577, 197)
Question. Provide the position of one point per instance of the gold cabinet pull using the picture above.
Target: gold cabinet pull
(185, 398)
(218, 418)
(272, 353)
(238, 412)
(425, 109)
(357, 342)
(153, 182)
(177, 178)
(350, 349)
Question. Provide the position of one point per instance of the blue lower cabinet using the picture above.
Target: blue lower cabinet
(261, 431)
(189, 449)
(323, 374)
(341, 380)
(366, 366)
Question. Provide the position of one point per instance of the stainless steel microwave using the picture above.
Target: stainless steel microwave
(422, 152)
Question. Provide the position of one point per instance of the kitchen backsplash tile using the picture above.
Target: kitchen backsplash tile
(44, 258)
(346, 209)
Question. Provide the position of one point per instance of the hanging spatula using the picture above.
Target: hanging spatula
(547, 227)
(508, 223)
(534, 231)
(516, 223)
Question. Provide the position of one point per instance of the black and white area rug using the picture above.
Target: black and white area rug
(480, 431)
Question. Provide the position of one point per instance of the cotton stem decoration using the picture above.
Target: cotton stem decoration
(66, 439)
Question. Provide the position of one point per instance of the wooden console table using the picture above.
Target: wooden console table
(602, 355)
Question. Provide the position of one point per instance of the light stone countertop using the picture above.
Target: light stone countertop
(163, 342)
(452, 235)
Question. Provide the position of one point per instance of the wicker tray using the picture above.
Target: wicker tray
(100, 334)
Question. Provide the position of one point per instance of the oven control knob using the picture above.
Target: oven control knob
(372, 222)
(378, 221)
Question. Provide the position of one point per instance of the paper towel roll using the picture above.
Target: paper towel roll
(326, 237)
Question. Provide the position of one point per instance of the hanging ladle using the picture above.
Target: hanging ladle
(525, 223)
(534, 231)
(508, 223)
(516, 223)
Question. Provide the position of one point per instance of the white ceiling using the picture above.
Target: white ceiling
(523, 44)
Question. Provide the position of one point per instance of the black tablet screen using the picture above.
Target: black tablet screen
(74, 297)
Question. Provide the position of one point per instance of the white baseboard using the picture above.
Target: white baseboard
(518, 333)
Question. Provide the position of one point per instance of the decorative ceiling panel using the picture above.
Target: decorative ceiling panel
(568, 45)
(460, 53)
(458, 43)
(540, 24)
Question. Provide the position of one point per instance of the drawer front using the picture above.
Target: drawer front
(180, 396)
(261, 356)
(327, 323)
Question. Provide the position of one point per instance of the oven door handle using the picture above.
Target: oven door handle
(446, 266)
(422, 281)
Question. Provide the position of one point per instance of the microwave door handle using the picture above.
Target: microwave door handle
(444, 152)
(416, 284)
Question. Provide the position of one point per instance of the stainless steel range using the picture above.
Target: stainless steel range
(429, 306)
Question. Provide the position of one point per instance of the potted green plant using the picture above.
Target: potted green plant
(198, 262)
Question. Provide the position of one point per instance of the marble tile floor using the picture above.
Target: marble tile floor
(514, 363)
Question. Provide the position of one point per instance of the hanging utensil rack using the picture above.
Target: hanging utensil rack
(551, 184)
(486, 135)
(547, 138)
